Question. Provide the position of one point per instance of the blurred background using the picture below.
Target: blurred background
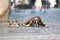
(23, 10)
(36, 4)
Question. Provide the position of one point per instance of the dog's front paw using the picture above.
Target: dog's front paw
(46, 25)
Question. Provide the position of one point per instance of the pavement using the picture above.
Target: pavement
(51, 17)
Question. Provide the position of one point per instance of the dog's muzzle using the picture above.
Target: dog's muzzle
(35, 24)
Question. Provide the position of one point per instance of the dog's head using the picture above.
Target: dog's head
(36, 21)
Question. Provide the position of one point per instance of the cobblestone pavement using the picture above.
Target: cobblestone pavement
(50, 17)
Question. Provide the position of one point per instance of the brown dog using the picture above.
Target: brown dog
(35, 22)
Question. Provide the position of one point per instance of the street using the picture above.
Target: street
(51, 17)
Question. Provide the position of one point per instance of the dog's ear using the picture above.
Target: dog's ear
(30, 22)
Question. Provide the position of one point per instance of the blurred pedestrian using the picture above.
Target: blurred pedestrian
(43, 3)
(32, 3)
(52, 3)
(57, 2)
(38, 4)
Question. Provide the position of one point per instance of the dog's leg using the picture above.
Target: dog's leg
(44, 25)
(26, 25)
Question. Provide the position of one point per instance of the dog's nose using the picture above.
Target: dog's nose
(36, 24)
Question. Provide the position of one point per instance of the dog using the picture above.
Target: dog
(35, 22)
